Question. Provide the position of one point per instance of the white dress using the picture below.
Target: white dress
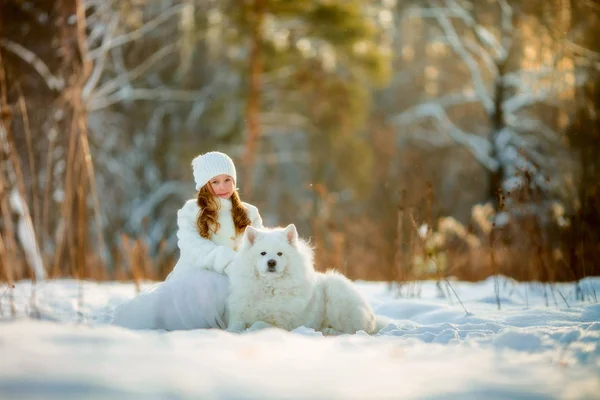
(194, 294)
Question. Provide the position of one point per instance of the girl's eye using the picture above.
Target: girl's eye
(264, 253)
(279, 254)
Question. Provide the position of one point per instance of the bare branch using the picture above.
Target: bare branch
(118, 61)
(528, 98)
(523, 79)
(478, 50)
(159, 94)
(97, 31)
(459, 49)
(525, 124)
(477, 145)
(138, 33)
(124, 78)
(592, 55)
(158, 195)
(99, 67)
(422, 110)
(32, 59)
(200, 104)
(516, 141)
(418, 136)
(485, 37)
(507, 29)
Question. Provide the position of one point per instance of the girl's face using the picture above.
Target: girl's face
(222, 186)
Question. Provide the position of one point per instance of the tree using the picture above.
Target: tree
(584, 138)
(502, 86)
(292, 43)
(44, 76)
(161, 82)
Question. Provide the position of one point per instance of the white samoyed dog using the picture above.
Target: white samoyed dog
(273, 280)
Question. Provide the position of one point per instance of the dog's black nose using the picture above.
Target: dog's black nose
(271, 265)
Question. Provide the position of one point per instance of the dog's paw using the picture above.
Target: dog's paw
(236, 327)
(329, 331)
(257, 326)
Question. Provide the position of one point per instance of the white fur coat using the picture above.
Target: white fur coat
(194, 294)
(215, 253)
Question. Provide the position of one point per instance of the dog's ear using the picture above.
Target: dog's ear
(250, 234)
(291, 234)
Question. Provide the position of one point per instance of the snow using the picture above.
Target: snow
(26, 234)
(543, 343)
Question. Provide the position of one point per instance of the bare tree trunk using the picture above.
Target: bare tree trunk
(252, 112)
(584, 134)
(496, 177)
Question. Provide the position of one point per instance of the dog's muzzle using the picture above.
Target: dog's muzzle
(271, 266)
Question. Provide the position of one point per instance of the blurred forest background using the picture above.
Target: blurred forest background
(408, 139)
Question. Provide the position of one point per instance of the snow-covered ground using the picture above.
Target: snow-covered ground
(542, 344)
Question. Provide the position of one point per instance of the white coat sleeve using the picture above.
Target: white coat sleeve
(255, 218)
(257, 221)
(202, 252)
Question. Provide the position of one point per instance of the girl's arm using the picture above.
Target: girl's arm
(201, 252)
(254, 215)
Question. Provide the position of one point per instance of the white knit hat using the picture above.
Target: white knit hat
(207, 166)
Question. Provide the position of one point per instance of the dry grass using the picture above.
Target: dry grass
(420, 248)
(506, 240)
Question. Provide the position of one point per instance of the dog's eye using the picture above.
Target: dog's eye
(279, 254)
(264, 253)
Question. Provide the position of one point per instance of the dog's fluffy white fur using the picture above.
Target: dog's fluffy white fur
(273, 280)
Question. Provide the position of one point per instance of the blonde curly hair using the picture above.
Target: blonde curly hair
(207, 220)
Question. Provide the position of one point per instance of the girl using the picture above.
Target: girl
(209, 228)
